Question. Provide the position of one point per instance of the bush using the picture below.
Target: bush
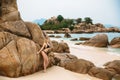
(88, 20)
(79, 20)
(71, 28)
(60, 18)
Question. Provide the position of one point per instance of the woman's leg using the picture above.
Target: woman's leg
(45, 57)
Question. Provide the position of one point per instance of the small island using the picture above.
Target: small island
(61, 25)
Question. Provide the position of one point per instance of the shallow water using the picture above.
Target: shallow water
(110, 37)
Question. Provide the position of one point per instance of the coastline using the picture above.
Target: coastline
(93, 54)
(96, 55)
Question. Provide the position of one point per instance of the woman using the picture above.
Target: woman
(44, 50)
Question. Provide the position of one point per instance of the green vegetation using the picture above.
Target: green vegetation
(60, 18)
(88, 20)
(79, 20)
(60, 22)
(71, 28)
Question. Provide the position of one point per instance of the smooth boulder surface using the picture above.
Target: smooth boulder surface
(115, 42)
(113, 66)
(60, 47)
(100, 40)
(62, 59)
(79, 66)
(100, 73)
(16, 27)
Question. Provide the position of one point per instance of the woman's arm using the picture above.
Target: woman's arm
(41, 48)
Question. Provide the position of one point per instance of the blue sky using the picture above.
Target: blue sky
(103, 11)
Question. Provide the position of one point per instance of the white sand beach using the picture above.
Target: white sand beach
(54, 73)
(95, 55)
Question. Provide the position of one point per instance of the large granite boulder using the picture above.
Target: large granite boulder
(115, 42)
(79, 66)
(9, 11)
(16, 27)
(36, 32)
(19, 42)
(61, 59)
(61, 47)
(100, 40)
(113, 66)
(101, 73)
(18, 52)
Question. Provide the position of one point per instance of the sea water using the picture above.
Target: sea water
(90, 35)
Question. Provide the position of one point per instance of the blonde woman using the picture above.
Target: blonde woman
(44, 50)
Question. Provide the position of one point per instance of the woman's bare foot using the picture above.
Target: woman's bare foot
(44, 71)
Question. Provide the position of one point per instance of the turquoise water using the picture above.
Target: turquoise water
(110, 37)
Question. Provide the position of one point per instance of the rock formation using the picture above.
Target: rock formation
(79, 66)
(19, 42)
(101, 73)
(9, 11)
(72, 63)
(113, 66)
(100, 40)
(67, 35)
(60, 47)
(62, 59)
(115, 43)
(84, 38)
(90, 28)
(74, 39)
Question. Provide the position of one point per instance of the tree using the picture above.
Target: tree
(79, 20)
(71, 28)
(88, 20)
(60, 18)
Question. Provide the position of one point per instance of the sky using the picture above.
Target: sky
(101, 11)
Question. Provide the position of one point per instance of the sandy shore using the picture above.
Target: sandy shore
(95, 55)
(54, 73)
